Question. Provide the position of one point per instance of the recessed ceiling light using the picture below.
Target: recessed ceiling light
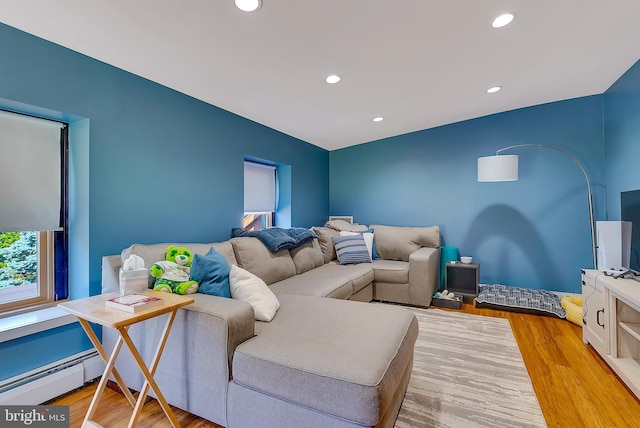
(333, 78)
(503, 20)
(493, 89)
(248, 5)
(378, 119)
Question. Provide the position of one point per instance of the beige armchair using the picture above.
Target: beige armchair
(408, 268)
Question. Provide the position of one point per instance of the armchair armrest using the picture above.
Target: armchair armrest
(110, 269)
(195, 367)
(424, 274)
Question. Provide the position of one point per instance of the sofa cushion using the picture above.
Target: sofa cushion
(361, 275)
(341, 225)
(307, 256)
(326, 244)
(212, 273)
(351, 249)
(249, 288)
(156, 252)
(397, 242)
(391, 271)
(320, 282)
(255, 257)
(321, 362)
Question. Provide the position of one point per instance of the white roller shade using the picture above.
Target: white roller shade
(259, 188)
(29, 173)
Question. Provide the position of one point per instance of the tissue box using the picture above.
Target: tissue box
(134, 281)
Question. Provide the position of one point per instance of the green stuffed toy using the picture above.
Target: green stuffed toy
(172, 274)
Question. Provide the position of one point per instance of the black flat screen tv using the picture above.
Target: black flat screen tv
(630, 211)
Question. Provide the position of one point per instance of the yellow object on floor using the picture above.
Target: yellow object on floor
(572, 305)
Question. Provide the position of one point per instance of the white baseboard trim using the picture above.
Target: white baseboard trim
(51, 381)
(93, 368)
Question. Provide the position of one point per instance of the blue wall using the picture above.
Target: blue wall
(622, 136)
(163, 166)
(530, 233)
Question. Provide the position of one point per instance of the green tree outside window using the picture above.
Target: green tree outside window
(18, 258)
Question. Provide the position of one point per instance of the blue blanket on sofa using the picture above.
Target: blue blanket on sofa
(276, 239)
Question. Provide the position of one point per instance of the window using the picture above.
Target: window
(259, 196)
(25, 267)
(257, 221)
(33, 212)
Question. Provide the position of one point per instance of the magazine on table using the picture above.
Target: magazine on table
(134, 302)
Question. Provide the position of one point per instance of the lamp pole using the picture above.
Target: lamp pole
(584, 172)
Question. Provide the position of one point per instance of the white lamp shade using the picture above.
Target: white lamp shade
(498, 168)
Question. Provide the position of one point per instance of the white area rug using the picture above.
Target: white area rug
(468, 372)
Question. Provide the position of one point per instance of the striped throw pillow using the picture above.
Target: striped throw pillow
(351, 249)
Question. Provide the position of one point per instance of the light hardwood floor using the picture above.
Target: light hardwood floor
(575, 387)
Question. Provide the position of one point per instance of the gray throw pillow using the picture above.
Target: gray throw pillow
(326, 244)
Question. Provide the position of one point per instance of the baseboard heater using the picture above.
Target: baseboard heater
(50, 381)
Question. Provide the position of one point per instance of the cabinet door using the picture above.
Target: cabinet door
(596, 329)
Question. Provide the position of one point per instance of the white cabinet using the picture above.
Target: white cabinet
(596, 312)
(612, 323)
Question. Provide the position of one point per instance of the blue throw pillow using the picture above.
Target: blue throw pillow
(374, 250)
(212, 272)
(351, 249)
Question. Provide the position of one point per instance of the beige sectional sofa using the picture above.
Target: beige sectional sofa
(323, 362)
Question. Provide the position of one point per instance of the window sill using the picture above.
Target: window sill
(16, 326)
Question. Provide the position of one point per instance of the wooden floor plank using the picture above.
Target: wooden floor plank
(574, 386)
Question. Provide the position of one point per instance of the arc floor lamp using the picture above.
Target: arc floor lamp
(505, 168)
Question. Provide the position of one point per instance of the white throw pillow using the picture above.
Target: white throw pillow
(248, 287)
(368, 240)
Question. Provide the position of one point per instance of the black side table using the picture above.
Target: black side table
(462, 279)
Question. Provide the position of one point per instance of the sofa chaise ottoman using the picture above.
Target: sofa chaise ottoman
(308, 369)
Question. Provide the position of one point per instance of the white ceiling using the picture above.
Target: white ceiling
(417, 63)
